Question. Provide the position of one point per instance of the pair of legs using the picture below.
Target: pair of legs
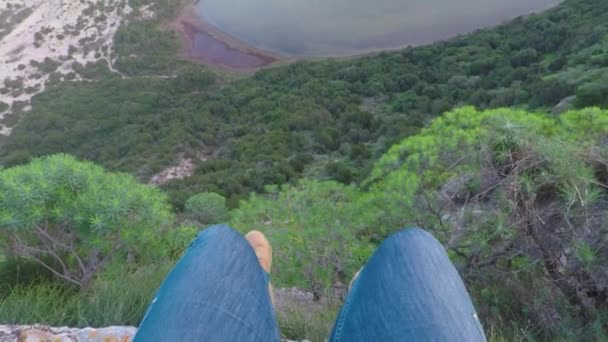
(408, 291)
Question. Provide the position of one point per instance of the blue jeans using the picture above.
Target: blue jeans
(408, 291)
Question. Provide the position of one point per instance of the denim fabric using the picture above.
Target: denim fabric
(217, 292)
(408, 291)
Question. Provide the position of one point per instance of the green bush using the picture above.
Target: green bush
(498, 187)
(313, 231)
(73, 217)
(206, 208)
(144, 48)
(177, 240)
(593, 93)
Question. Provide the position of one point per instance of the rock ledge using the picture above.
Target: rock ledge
(41, 333)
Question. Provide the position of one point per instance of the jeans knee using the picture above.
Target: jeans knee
(220, 232)
(411, 238)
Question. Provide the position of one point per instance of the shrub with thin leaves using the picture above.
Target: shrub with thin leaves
(519, 200)
(313, 229)
(73, 217)
(206, 208)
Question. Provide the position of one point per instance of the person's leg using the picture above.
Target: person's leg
(217, 292)
(408, 291)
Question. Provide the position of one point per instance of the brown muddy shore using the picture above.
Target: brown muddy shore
(206, 44)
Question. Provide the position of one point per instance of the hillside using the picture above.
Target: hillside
(49, 41)
(325, 119)
(495, 141)
(517, 198)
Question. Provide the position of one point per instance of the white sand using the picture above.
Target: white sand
(54, 16)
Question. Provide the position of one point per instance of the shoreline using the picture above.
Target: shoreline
(191, 28)
(188, 24)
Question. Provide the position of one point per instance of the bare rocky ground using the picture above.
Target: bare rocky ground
(46, 40)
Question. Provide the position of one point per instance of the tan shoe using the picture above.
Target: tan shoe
(263, 251)
(261, 247)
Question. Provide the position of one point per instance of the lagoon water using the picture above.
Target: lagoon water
(349, 27)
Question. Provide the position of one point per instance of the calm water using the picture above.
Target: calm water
(216, 52)
(343, 27)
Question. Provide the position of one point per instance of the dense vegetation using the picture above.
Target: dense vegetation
(327, 119)
(328, 158)
(518, 198)
(73, 218)
(74, 236)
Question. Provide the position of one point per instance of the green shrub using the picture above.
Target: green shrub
(500, 187)
(593, 94)
(341, 172)
(177, 240)
(206, 208)
(77, 215)
(144, 48)
(313, 231)
(49, 65)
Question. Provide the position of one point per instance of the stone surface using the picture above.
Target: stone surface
(40, 333)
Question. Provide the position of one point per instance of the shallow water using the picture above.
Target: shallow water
(216, 52)
(347, 27)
